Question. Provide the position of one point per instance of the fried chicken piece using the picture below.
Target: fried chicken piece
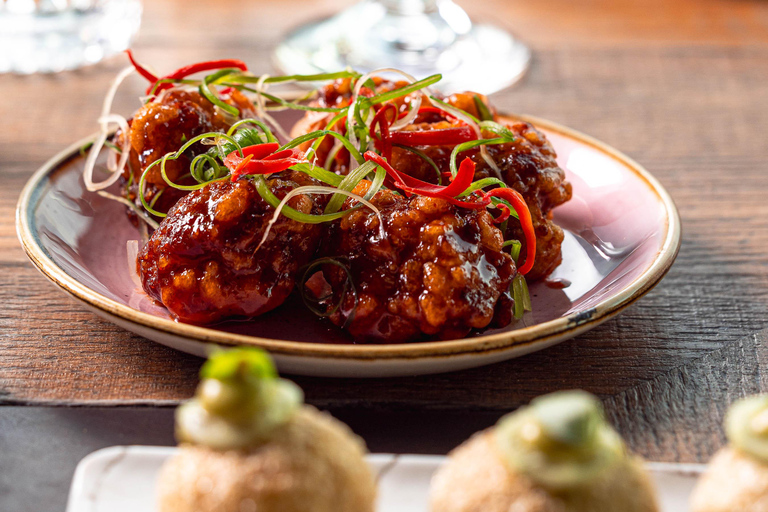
(205, 262)
(436, 269)
(528, 164)
(163, 126)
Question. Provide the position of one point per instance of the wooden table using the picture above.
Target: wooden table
(679, 85)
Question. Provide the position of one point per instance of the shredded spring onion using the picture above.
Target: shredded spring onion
(207, 93)
(348, 284)
(132, 252)
(104, 121)
(322, 133)
(521, 296)
(475, 124)
(138, 211)
(469, 145)
(516, 246)
(357, 103)
(348, 184)
(289, 212)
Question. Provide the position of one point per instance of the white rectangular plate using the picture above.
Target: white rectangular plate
(122, 479)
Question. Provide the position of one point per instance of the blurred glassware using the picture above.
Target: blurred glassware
(45, 36)
(421, 37)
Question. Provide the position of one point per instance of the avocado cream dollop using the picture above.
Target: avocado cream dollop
(560, 440)
(239, 402)
(746, 426)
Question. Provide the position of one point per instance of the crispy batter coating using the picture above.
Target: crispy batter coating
(204, 262)
(439, 270)
(312, 464)
(162, 126)
(529, 165)
(475, 479)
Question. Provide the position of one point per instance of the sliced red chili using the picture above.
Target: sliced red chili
(384, 144)
(441, 137)
(185, 71)
(504, 215)
(408, 183)
(141, 69)
(433, 110)
(460, 183)
(518, 203)
(261, 159)
(207, 66)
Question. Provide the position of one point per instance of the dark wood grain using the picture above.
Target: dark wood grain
(679, 85)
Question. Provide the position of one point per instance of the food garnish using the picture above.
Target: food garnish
(239, 401)
(560, 440)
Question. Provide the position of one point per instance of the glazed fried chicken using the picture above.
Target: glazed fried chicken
(206, 261)
(163, 126)
(438, 270)
(528, 164)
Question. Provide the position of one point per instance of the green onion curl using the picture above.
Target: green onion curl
(322, 133)
(464, 146)
(173, 156)
(309, 271)
(349, 183)
(205, 90)
(402, 91)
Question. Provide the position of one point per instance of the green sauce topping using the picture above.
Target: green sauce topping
(746, 426)
(560, 440)
(239, 403)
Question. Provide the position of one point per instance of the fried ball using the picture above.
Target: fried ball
(475, 479)
(528, 164)
(314, 463)
(430, 269)
(206, 262)
(163, 126)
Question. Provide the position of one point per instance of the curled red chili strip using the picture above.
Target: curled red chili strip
(261, 159)
(461, 181)
(141, 69)
(185, 71)
(433, 110)
(441, 137)
(518, 203)
(504, 215)
(384, 143)
(197, 68)
(207, 66)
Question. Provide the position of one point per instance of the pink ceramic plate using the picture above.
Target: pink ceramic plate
(622, 235)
